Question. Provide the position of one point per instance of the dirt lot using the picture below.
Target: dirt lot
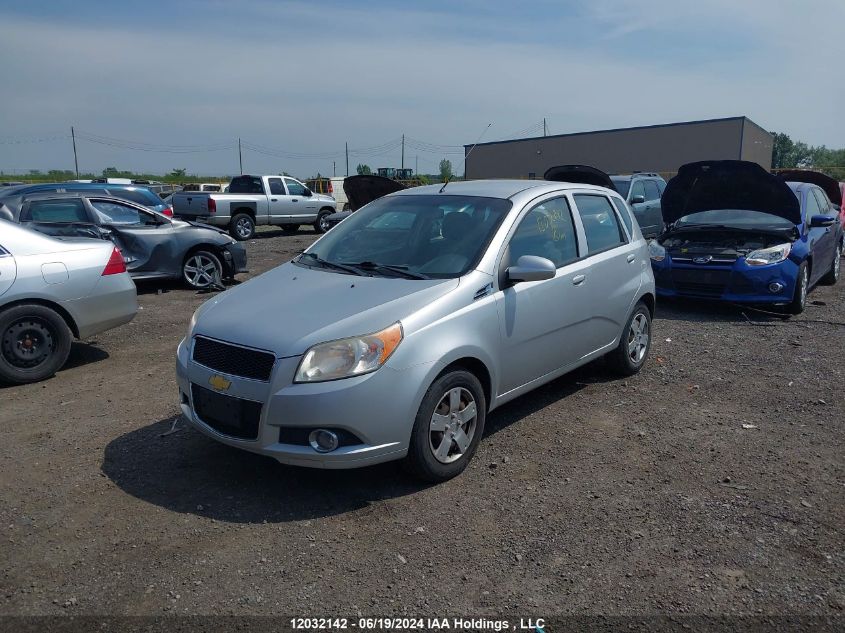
(590, 495)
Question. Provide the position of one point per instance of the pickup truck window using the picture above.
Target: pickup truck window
(246, 184)
(294, 188)
(276, 186)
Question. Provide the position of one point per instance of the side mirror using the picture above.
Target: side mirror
(531, 268)
(821, 221)
(307, 192)
(637, 199)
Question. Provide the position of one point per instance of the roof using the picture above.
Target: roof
(619, 129)
(493, 188)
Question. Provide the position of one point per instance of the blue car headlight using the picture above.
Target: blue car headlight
(771, 255)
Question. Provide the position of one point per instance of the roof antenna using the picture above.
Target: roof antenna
(483, 132)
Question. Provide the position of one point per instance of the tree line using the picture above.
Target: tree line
(788, 153)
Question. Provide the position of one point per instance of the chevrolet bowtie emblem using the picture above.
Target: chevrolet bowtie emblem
(219, 383)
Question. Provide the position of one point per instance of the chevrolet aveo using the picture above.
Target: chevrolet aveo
(396, 333)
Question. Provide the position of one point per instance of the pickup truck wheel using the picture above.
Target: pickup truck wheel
(242, 227)
(289, 229)
(322, 224)
(202, 269)
(34, 343)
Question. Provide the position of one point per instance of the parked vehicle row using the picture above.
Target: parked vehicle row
(257, 200)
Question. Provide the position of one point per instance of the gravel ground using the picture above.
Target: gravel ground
(711, 483)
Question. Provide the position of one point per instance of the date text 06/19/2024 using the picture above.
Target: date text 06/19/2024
(424, 624)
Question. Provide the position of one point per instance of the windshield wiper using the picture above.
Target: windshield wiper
(327, 264)
(399, 270)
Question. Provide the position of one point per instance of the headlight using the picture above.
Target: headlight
(192, 324)
(656, 251)
(771, 255)
(349, 356)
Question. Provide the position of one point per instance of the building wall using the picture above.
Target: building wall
(657, 148)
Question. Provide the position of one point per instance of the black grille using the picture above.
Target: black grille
(702, 282)
(234, 360)
(228, 415)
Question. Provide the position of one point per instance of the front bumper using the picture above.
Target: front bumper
(234, 258)
(736, 283)
(378, 408)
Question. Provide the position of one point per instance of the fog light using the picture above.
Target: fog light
(323, 441)
(776, 287)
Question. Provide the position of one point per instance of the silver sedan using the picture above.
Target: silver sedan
(397, 332)
(52, 290)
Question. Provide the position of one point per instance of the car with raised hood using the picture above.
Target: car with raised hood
(54, 290)
(398, 331)
(360, 191)
(736, 233)
(154, 246)
(139, 194)
(257, 200)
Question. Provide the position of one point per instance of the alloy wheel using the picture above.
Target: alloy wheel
(453, 425)
(243, 227)
(837, 260)
(201, 271)
(638, 335)
(324, 223)
(28, 343)
(805, 282)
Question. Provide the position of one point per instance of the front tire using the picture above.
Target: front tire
(832, 275)
(322, 224)
(242, 227)
(448, 427)
(630, 355)
(202, 269)
(34, 343)
(802, 288)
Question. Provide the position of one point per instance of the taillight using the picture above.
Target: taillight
(212, 205)
(168, 211)
(116, 264)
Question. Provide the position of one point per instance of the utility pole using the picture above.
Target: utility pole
(347, 158)
(417, 165)
(334, 168)
(403, 151)
(240, 156)
(75, 159)
(544, 126)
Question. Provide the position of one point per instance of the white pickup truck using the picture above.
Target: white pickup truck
(254, 200)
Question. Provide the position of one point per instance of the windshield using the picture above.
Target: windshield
(622, 185)
(737, 218)
(426, 235)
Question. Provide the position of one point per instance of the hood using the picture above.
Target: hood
(831, 187)
(361, 190)
(728, 184)
(307, 307)
(322, 197)
(583, 174)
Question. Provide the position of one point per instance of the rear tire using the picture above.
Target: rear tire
(242, 227)
(632, 352)
(448, 427)
(34, 343)
(322, 224)
(802, 288)
(832, 275)
(202, 269)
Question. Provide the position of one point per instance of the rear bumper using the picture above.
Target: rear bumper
(111, 303)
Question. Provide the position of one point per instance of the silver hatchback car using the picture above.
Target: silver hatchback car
(397, 332)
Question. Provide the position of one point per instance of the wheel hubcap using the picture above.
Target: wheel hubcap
(638, 338)
(201, 271)
(243, 227)
(27, 343)
(804, 287)
(837, 258)
(453, 425)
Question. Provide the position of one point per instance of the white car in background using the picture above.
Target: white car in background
(52, 290)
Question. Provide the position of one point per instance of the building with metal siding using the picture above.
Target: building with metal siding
(656, 148)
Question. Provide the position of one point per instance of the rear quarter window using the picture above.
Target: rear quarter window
(625, 214)
(55, 211)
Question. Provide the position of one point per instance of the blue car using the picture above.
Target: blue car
(134, 193)
(736, 233)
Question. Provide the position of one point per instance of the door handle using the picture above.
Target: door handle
(631, 257)
(577, 280)
(294, 200)
(273, 200)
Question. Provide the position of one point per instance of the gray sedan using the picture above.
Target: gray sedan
(396, 333)
(52, 290)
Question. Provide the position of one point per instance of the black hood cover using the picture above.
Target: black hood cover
(728, 184)
(830, 186)
(361, 190)
(579, 174)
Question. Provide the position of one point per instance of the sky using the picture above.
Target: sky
(157, 85)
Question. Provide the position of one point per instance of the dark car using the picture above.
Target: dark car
(740, 234)
(360, 191)
(642, 192)
(153, 245)
(139, 194)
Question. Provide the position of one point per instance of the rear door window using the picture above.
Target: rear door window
(601, 225)
(276, 186)
(651, 190)
(56, 212)
(625, 212)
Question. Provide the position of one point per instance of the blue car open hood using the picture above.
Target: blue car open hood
(728, 184)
